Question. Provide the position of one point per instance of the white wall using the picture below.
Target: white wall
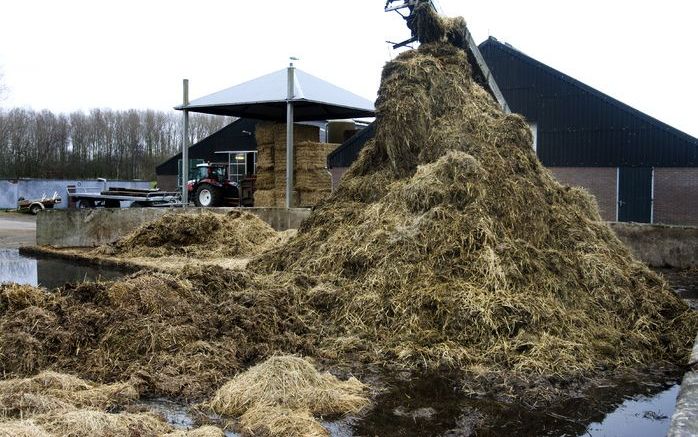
(13, 189)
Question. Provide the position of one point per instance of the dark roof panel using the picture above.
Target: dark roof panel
(579, 125)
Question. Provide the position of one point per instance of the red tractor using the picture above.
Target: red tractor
(212, 187)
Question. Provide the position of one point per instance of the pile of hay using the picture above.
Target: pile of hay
(280, 396)
(54, 404)
(205, 235)
(50, 392)
(312, 181)
(448, 243)
(178, 336)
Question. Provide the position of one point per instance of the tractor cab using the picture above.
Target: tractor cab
(214, 172)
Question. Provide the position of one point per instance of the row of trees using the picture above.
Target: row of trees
(100, 143)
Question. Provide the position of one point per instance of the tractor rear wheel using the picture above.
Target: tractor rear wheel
(206, 195)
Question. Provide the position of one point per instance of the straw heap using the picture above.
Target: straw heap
(281, 395)
(448, 243)
(205, 235)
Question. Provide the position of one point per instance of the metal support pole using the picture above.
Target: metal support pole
(185, 145)
(289, 136)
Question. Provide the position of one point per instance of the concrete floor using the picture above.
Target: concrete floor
(17, 230)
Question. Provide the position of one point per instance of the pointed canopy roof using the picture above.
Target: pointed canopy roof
(264, 98)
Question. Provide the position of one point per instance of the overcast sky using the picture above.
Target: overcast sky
(68, 55)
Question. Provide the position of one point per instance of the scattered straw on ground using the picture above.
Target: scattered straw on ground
(55, 404)
(50, 392)
(205, 235)
(204, 431)
(276, 421)
(89, 423)
(281, 395)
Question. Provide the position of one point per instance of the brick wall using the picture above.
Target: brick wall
(676, 196)
(599, 181)
(675, 190)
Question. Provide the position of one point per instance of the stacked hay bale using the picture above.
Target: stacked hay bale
(311, 179)
(264, 193)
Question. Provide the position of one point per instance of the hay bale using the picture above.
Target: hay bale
(264, 198)
(273, 421)
(264, 132)
(265, 179)
(313, 180)
(289, 382)
(312, 155)
(301, 133)
(265, 156)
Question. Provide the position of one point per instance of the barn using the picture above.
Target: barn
(638, 168)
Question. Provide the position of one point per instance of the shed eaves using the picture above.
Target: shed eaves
(265, 98)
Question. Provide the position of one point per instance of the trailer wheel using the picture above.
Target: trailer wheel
(35, 208)
(85, 203)
(207, 195)
(111, 203)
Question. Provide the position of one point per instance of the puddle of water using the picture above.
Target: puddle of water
(49, 273)
(641, 417)
(684, 283)
(433, 405)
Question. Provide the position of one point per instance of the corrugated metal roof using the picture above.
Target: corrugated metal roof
(265, 98)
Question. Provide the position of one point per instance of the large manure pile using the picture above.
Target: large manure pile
(205, 235)
(448, 243)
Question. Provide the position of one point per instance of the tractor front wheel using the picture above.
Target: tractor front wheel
(206, 195)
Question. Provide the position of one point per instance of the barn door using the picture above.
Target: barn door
(635, 194)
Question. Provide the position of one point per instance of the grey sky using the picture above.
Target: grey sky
(67, 55)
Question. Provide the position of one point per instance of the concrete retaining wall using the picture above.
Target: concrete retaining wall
(13, 189)
(660, 245)
(684, 421)
(92, 227)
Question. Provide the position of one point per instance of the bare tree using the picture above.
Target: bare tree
(4, 90)
(100, 143)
